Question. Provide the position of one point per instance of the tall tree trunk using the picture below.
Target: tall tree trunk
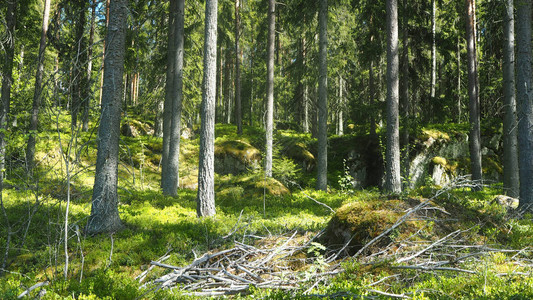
(340, 117)
(392, 181)
(524, 97)
(103, 52)
(238, 105)
(79, 63)
(433, 54)
(37, 94)
(511, 179)
(372, 95)
(459, 104)
(175, 92)
(206, 169)
(473, 94)
(169, 87)
(5, 98)
(269, 122)
(322, 163)
(87, 91)
(405, 91)
(104, 211)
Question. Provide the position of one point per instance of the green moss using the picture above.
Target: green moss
(239, 149)
(438, 160)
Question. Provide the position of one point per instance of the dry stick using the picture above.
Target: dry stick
(271, 255)
(311, 198)
(234, 229)
(78, 234)
(425, 268)
(33, 287)
(402, 296)
(428, 247)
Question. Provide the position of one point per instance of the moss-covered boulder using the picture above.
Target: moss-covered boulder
(357, 223)
(299, 153)
(135, 128)
(235, 157)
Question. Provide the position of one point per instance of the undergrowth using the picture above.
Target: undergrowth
(105, 266)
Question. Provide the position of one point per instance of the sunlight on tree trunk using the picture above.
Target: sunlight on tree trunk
(104, 211)
(392, 181)
(322, 159)
(206, 170)
(473, 94)
(511, 179)
(174, 93)
(269, 122)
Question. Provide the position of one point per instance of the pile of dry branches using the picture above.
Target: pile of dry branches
(275, 266)
(285, 264)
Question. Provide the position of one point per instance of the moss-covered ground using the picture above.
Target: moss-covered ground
(105, 266)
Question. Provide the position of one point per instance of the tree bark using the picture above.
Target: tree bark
(103, 52)
(322, 159)
(392, 155)
(78, 76)
(238, 104)
(405, 92)
(169, 87)
(473, 94)
(340, 117)
(37, 94)
(511, 179)
(524, 93)
(86, 104)
(104, 211)
(433, 53)
(174, 90)
(269, 122)
(206, 169)
(5, 98)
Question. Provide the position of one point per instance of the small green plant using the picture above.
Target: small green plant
(346, 180)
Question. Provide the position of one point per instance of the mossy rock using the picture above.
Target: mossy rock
(298, 152)
(362, 221)
(235, 157)
(135, 128)
(250, 185)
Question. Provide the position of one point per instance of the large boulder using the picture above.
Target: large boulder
(236, 157)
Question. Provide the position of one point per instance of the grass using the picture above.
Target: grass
(104, 266)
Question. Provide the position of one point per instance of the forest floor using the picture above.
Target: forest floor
(269, 239)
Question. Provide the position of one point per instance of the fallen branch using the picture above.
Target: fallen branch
(33, 287)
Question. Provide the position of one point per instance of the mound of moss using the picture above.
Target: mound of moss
(235, 157)
(357, 223)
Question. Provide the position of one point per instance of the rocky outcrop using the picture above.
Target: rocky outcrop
(235, 157)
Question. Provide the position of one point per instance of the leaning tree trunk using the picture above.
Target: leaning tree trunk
(511, 179)
(392, 153)
(37, 94)
(170, 179)
(473, 94)
(269, 122)
(206, 169)
(322, 163)
(104, 211)
(238, 104)
(524, 97)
